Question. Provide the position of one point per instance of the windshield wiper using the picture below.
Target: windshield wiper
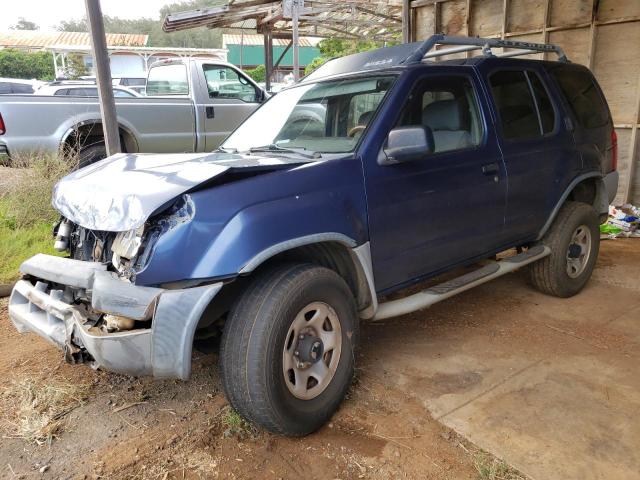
(272, 147)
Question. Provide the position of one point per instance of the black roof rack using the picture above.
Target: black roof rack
(411, 53)
(468, 44)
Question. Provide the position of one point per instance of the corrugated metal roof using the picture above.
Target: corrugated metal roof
(37, 39)
(252, 39)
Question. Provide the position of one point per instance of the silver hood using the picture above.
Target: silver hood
(120, 192)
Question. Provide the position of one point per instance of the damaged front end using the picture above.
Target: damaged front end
(88, 305)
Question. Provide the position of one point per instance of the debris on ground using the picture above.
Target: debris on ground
(623, 222)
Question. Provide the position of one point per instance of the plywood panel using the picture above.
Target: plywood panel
(612, 9)
(424, 22)
(575, 43)
(624, 137)
(453, 14)
(570, 12)
(525, 15)
(617, 67)
(486, 18)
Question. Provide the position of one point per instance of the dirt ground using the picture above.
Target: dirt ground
(391, 426)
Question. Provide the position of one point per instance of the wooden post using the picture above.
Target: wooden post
(103, 77)
(294, 21)
(268, 56)
(406, 21)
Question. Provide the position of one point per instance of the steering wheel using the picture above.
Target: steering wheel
(355, 130)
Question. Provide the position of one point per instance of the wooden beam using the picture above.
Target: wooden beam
(592, 33)
(406, 21)
(545, 25)
(505, 9)
(381, 15)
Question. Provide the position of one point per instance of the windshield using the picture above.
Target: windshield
(326, 117)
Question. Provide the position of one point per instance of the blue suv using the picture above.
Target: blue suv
(378, 171)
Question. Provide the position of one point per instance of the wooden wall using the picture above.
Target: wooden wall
(602, 34)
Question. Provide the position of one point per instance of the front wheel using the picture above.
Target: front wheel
(287, 352)
(574, 240)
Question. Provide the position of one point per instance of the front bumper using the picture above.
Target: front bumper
(42, 303)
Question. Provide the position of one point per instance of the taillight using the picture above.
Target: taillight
(2, 127)
(614, 150)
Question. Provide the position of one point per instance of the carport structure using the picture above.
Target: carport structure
(353, 19)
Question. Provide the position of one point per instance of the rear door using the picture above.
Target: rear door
(446, 208)
(227, 97)
(538, 150)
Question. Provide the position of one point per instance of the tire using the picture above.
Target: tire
(259, 336)
(558, 274)
(91, 154)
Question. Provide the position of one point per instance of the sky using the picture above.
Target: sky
(49, 13)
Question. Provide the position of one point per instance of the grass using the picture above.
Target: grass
(492, 468)
(35, 410)
(18, 244)
(236, 426)
(26, 215)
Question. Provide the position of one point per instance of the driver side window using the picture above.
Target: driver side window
(226, 83)
(448, 106)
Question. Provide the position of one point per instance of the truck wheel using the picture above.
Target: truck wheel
(287, 351)
(574, 240)
(91, 154)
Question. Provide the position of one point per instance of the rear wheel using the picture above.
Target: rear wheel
(574, 240)
(287, 352)
(91, 154)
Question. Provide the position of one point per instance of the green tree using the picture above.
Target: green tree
(201, 37)
(315, 63)
(76, 67)
(259, 74)
(19, 64)
(24, 24)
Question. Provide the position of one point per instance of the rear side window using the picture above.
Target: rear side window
(5, 88)
(583, 96)
(168, 80)
(524, 107)
(545, 107)
(22, 88)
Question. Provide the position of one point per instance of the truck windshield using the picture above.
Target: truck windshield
(325, 117)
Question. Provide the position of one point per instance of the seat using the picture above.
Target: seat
(449, 123)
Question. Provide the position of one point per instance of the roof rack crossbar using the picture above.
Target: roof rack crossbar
(476, 43)
(447, 51)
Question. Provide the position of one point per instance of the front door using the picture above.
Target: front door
(447, 207)
(232, 98)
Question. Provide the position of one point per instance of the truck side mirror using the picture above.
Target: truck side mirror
(405, 144)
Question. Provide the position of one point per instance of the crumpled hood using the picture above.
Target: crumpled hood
(120, 192)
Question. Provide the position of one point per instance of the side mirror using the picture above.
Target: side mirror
(405, 144)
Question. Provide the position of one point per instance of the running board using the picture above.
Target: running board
(437, 293)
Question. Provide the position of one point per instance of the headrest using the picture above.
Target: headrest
(365, 118)
(444, 115)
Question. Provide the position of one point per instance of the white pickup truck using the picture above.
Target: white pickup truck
(191, 106)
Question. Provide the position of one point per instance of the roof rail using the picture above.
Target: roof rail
(467, 44)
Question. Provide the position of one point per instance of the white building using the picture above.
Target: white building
(130, 56)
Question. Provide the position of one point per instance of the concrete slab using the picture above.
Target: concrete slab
(549, 385)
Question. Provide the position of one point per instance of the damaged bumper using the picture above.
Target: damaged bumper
(42, 303)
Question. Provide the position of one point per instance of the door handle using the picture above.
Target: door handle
(490, 169)
(210, 112)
